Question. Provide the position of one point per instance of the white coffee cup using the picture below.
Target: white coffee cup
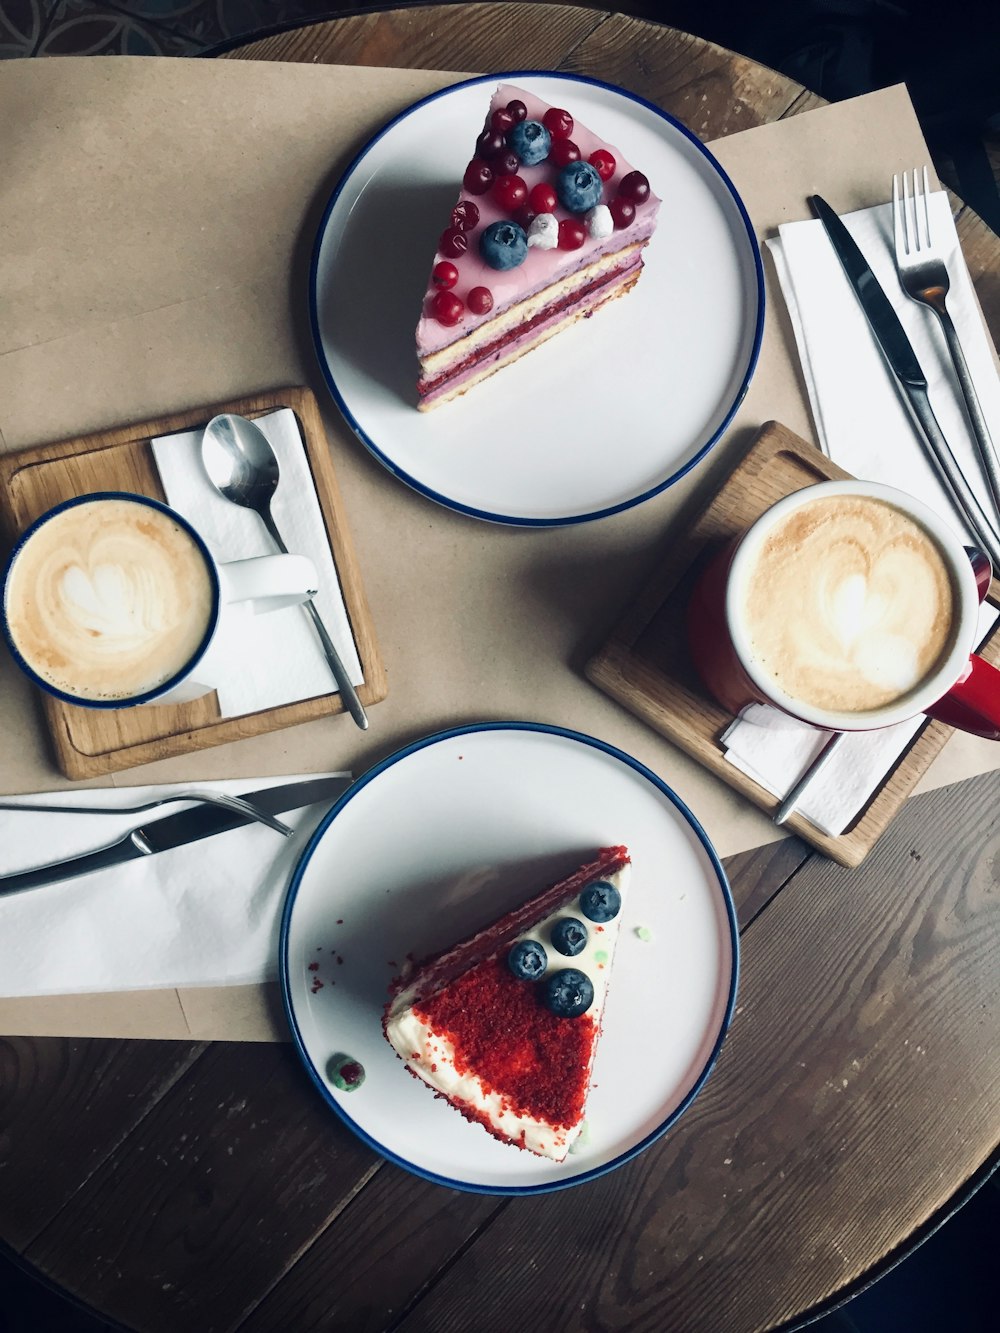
(112, 600)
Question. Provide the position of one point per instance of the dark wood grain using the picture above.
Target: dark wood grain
(210, 1199)
(793, 1171)
(66, 1105)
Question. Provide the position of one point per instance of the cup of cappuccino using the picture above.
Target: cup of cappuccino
(113, 599)
(851, 606)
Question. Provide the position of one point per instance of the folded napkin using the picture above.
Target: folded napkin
(202, 915)
(863, 424)
(275, 658)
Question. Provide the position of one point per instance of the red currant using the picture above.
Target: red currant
(465, 215)
(604, 164)
(634, 186)
(489, 143)
(572, 234)
(542, 198)
(480, 300)
(502, 120)
(453, 243)
(559, 123)
(622, 212)
(506, 163)
(518, 110)
(444, 274)
(525, 216)
(563, 152)
(446, 308)
(478, 176)
(510, 192)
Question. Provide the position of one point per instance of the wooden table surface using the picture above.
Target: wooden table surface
(198, 1187)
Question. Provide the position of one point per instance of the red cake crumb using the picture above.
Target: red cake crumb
(504, 1034)
(314, 967)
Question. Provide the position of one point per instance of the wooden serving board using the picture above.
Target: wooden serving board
(645, 663)
(90, 742)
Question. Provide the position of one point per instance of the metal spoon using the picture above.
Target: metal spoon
(241, 465)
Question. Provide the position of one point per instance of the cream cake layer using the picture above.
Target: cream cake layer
(551, 321)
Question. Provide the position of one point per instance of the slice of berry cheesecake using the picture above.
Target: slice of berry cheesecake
(505, 1025)
(550, 225)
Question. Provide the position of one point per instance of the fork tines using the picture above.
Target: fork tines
(906, 218)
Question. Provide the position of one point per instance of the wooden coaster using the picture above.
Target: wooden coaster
(89, 742)
(645, 663)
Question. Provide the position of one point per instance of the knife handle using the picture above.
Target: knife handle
(123, 850)
(982, 529)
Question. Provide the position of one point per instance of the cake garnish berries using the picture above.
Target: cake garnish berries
(579, 187)
(634, 186)
(558, 122)
(453, 242)
(447, 308)
(604, 162)
(600, 902)
(478, 176)
(530, 140)
(510, 192)
(568, 992)
(444, 274)
(465, 215)
(503, 245)
(572, 234)
(527, 960)
(480, 300)
(569, 936)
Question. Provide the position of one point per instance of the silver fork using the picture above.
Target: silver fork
(923, 275)
(234, 803)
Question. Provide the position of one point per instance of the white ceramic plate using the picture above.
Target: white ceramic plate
(603, 416)
(448, 835)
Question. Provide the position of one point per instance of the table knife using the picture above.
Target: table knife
(898, 352)
(161, 835)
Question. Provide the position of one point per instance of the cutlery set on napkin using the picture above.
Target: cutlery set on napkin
(864, 420)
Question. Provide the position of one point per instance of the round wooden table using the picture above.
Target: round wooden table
(206, 1187)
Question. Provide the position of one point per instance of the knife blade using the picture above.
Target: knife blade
(902, 361)
(161, 835)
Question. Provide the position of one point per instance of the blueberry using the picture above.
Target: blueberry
(600, 901)
(531, 141)
(503, 245)
(569, 936)
(527, 960)
(569, 993)
(579, 187)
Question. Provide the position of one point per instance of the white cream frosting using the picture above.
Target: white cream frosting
(432, 1057)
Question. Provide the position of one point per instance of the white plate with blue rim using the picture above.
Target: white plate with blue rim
(599, 419)
(444, 837)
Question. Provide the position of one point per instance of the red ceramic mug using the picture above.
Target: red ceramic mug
(779, 575)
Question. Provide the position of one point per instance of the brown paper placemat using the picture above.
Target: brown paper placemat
(645, 663)
(90, 742)
(159, 216)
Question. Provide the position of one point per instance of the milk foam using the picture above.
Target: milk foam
(849, 605)
(109, 599)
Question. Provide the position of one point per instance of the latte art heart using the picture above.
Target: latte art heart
(109, 599)
(849, 605)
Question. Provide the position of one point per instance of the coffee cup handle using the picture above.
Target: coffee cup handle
(268, 582)
(973, 702)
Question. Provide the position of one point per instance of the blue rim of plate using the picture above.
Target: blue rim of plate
(284, 970)
(428, 491)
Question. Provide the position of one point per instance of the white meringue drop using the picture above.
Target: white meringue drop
(599, 222)
(543, 231)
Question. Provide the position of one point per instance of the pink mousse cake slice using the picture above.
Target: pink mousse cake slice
(549, 226)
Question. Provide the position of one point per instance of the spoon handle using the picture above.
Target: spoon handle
(347, 690)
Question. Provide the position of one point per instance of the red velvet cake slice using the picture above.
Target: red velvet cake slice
(504, 1026)
(550, 225)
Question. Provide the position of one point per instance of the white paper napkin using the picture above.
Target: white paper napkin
(275, 658)
(202, 915)
(863, 424)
